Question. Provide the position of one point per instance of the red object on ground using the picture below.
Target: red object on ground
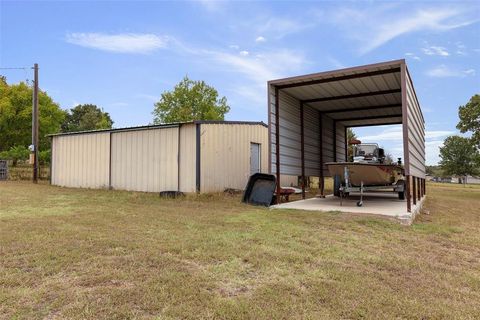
(285, 194)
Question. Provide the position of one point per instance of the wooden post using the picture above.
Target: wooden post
(35, 125)
(302, 147)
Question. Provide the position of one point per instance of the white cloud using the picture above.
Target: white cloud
(432, 152)
(260, 39)
(257, 70)
(442, 71)
(412, 56)
(121, 43)
(461, 49)
(118, 104)
(279, 27)
(234, 46)
(146, 96)
(374, 27)
(212, 5)
(335, 63)
(263, 67)
(244, 53)
(435, 51)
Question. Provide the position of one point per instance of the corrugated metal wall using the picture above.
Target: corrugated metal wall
(290, 138)
(340, 143)
(188, 158)
(81, 161)
(145, 160)
(289, 122)
(225, 154)
(416, 132)
(311, 123)
(159, 159)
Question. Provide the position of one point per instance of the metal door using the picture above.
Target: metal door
(254, 158)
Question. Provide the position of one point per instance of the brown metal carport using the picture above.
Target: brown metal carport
(309, 116)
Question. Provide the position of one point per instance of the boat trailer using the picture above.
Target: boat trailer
(347, 187)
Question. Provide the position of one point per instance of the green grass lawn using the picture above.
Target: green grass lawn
(69, 253)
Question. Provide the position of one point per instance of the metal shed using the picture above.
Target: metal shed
(309, 116)
(199, 156)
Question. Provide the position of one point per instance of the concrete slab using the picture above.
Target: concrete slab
(377, 203)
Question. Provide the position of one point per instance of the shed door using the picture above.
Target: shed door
(254, 158)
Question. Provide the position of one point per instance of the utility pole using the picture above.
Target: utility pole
(34, 147)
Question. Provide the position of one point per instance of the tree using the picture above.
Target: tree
(469, 115)
(389, 159)
(15, 153)
(16, 116)
(86, 117)
(459, 156)
(350, 136)
(190, 100)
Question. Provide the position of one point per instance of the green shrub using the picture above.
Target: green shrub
(15, 154)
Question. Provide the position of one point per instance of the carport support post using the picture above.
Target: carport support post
(419, 181)
(407, 191)
(277, 143)
(334, 141)
(414, 183)
(321, 180)
(302, 147)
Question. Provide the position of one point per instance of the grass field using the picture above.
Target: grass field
(67, 253)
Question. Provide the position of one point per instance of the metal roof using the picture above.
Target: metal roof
(365, 95)
(157, 126)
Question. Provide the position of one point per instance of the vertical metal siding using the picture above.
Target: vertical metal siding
(145, 160)
(340, 145)
(225, 155)
(187, 158)
(312, 143)
(81, 161)
(415, 132)
(290, 140)
(327, 142)
(289, 122)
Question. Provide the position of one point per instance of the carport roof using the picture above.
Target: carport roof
(360, 96)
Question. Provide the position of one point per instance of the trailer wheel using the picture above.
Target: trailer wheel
(337, 183)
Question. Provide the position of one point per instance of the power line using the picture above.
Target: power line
(15, 68)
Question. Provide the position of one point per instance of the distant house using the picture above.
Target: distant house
(469, 179)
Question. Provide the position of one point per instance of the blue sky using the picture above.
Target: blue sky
(123, 55)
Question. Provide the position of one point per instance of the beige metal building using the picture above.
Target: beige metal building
(199, 156)
(309, 116)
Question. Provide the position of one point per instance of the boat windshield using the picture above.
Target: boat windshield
(366, 150)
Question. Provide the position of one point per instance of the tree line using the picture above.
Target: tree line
(189, 100)
(16, 120)
(460, 155)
